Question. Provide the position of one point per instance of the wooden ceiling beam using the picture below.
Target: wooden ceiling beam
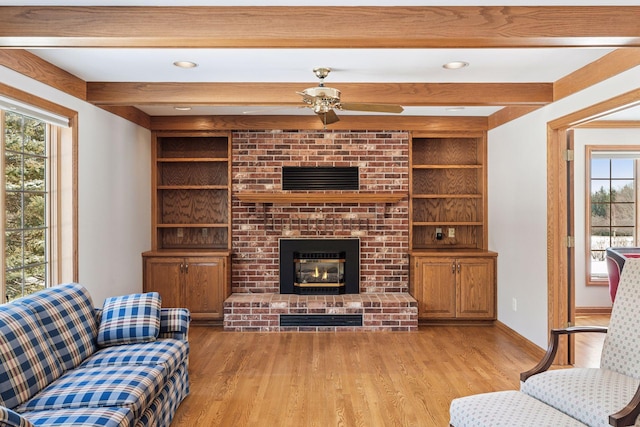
(269, 94)
(311, 121)
(319, 27)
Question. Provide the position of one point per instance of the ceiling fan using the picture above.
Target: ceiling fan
(324, 100)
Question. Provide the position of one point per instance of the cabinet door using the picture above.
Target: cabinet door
(204, 283)
(435, 287)
(163, 275)
(476, 288)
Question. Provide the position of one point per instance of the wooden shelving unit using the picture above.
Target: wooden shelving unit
(448, 182)
(191, 222)
(192, 191)
(452, 277)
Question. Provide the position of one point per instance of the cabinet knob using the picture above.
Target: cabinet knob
(453, 268)
(458, 268)
(186, 267)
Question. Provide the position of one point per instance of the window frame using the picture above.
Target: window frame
(589, 150)
(62, 213)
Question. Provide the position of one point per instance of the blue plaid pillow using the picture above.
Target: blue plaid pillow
(129, 319)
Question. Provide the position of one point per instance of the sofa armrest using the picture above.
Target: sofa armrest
(547, 360)
(174, 323)
(10, 418)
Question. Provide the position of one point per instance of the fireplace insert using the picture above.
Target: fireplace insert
(319, 266)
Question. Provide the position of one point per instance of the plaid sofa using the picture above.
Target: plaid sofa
(65, 363)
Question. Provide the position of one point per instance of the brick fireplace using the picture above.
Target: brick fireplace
(382, 229)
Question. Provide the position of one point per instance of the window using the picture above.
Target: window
(39, 193)
(26, 199)
(612, 198)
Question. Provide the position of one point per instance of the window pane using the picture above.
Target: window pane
(34, 247)
(13, 210)
(600, 239)
(598, 267)
(600, 190)
(34, 279)
(13, 250)
(13, 171)
(34, 173)
(34, 136)
(600, 168)
(623, 237)
(600, 216)
(13, 282)
(34, 210)
(623, 214)
(13, 132)
(622, 168)
(622, 191)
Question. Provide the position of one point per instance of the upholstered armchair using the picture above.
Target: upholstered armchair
(610, 393)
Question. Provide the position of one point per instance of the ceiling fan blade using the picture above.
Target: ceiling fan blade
(379, 108)
(328, 117)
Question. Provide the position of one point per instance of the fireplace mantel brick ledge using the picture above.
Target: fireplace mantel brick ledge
(260, 312)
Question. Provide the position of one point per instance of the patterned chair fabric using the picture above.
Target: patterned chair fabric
(506, 409)
(591, 395)
(53, 374)
(586, 396)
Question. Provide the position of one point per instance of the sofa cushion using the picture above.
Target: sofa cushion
(67, 315)
(82, 417)
(132, 387)
(27, 361)
(168, 353)
(9, 418)
(586, 394)
(130, 319)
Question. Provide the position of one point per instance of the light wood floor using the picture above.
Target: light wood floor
(589, 346)
(345, 379)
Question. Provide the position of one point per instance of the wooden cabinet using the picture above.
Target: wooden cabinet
(192, 190)
(455, 287)
(199, 283)
(448, 191)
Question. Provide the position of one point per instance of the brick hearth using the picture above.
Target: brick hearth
(383, 229)
(380, 311)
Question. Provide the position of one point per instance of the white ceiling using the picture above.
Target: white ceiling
(296, 65)
(527, 65)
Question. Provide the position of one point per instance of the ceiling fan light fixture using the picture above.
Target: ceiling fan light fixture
(185, 64)
(455, 65)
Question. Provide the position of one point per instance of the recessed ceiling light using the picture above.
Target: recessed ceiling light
(185, 64)
(182, 108)
(455, 65)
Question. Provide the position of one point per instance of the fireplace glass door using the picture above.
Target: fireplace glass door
(319, 270)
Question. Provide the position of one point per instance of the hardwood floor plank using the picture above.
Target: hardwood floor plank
(344, 379)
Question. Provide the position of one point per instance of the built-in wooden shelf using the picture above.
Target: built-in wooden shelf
(346, 197)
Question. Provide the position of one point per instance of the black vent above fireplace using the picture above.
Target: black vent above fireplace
(319, 178)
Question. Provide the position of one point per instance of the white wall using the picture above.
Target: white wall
(114, 219)
(517, 170)
(591, 296)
